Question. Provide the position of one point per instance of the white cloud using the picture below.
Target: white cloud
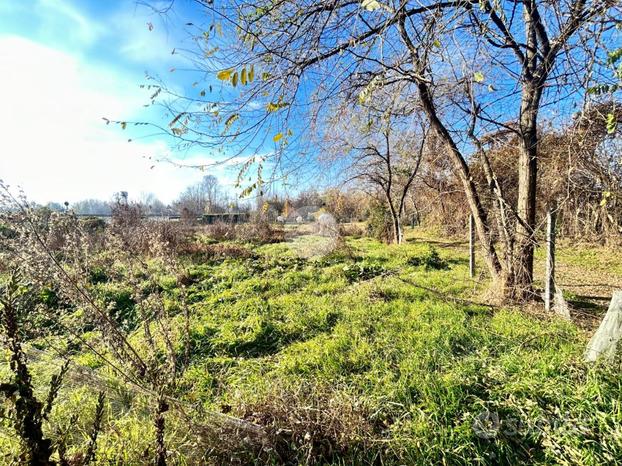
(87, 31)
(55, 143)
(142, 44)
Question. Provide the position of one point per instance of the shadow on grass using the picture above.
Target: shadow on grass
(439, 243)
(270, 339)
(457, 261)
(595, 305)
(267, 340)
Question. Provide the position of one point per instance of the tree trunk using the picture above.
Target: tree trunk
(399, 234)
(526, 206)
(523, 258)
(395, 218)
(397, 226)
(477, 209)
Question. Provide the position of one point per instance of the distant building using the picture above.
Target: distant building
(225, 217)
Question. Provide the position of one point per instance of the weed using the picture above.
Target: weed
(430, 260)
(362, 271)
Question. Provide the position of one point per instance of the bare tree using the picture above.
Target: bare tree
(475, 66)
(201, 198)
(151, 204)
(92, 207)
(382, 144)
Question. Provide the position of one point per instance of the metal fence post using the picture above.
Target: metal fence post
(471, 246)
(549, 285)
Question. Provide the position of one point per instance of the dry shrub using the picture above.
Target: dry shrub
(313, 425)
(152, 237)
(215, 251)
(143, 236)
(126, 215)
(221, 231)
(57, 232)
(95, 230)
(260, 232)
(255, 232)
(174, 236)
(352, 229)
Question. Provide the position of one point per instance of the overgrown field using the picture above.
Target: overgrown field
(372, 354)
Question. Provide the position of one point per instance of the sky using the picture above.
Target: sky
(67, 64)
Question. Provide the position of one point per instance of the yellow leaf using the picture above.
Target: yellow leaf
(277, 137)
(224, 75)
(251, 74)
(231, 120)
(234, 79)
(274, 106)
(370, 5)
(243, 77)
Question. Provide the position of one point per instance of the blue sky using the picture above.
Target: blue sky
(66, 64)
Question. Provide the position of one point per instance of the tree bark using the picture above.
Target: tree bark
(527, 173)
(527, 177)
(395, 219)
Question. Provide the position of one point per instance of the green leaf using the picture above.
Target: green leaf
(601, 89)
(478, 77)
(613, 57)
(612, 123)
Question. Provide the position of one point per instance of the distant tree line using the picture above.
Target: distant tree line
(206, 196)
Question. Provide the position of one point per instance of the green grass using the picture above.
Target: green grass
(420, 369)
